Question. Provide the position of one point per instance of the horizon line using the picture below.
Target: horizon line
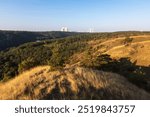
(19, 30)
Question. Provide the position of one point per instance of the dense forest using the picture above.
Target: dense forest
(15, 38)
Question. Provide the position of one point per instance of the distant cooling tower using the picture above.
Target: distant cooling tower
(91, 30)
(64, 29)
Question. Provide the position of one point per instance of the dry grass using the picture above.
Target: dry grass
(138, 50)
(70, 83)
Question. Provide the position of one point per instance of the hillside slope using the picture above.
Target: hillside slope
(10, 39)
(70, 83)
(137, 50)
(76, 60)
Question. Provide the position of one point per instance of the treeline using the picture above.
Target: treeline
(15, 38)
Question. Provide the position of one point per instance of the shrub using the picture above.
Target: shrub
(128, 41)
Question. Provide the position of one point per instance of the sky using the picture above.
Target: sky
(77, 15)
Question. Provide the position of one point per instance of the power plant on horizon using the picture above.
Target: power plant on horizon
(65, 29)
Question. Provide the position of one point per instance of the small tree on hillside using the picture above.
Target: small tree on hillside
(128, 41)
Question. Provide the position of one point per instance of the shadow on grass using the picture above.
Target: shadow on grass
(138, 75)
(92, 93)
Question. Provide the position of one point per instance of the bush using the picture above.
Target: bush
(128, 41)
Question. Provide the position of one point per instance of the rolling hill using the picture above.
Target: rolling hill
(83, 66)
(69, 83)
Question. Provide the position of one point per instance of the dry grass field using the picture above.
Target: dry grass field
(138, 50)
(70, 83)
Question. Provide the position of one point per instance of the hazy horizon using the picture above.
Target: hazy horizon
(77, 15)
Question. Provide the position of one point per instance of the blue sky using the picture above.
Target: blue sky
(77, 15)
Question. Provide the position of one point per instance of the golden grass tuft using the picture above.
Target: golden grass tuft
(69, 83)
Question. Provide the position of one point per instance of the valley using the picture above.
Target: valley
(78, 66)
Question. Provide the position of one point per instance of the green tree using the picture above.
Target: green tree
(26, 64)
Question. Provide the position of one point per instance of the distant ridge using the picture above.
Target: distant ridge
(15, 38)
